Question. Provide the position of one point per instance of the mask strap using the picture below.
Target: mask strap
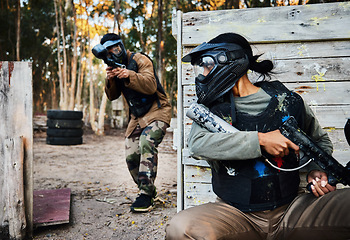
(233, 108)
(236, 54)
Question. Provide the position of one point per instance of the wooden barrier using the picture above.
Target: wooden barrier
(311, 52)
(16, 150)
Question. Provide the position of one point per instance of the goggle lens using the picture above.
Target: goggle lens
(204, 65)
(117, 50)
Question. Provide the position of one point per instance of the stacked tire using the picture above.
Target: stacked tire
(64, 127)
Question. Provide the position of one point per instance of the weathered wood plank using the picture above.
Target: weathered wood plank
(196, 174)
(296, 70)
(299, 50)
(16, 118)
(13, 173)
(279, 24)
(313, 70)
(188, 160)
(332, 116)
(198, 193)
(323, 93)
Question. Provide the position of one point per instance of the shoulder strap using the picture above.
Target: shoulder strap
(132, 56)
(159, 85)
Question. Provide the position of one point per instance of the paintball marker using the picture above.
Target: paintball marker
(336, 172)
(102, 53)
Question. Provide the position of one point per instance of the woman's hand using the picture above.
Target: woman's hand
(320, 185)
(275, 144)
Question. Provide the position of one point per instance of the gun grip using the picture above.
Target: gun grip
(331, 180)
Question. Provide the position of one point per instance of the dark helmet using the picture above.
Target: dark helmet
(217, 67)
(110, 40)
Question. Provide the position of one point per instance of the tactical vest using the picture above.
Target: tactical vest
(252, 184)
(139, 103)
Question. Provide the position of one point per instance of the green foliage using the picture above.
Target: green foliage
(37, 19)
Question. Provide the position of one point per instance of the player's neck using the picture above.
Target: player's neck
(244, 87)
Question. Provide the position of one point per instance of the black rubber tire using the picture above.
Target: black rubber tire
(64, 140)
(64, 132)
(63, 123)
(347, 131)
(61, 114)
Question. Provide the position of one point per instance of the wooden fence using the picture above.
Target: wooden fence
(310, 48)
(16, 150)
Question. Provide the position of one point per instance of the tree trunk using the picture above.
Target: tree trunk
(59, 57)
(101, 116)
(116, 24)
(91, 88)
(74, 60)
(18, 30)
(80, 85)
(54, 95)
(81, 73)
(64, 75)
(160, 42)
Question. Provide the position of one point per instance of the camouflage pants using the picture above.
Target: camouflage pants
(142, 154)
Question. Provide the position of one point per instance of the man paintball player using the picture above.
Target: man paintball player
(133, 76)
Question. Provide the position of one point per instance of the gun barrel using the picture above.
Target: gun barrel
(208, 120)
(117, 65)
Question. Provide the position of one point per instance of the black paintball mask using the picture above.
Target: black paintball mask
(217, 68)
(117, 55)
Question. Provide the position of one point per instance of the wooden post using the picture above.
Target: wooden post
(180, 140)
(13, 173)
(16, 162)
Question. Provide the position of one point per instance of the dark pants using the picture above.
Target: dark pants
(307, 217)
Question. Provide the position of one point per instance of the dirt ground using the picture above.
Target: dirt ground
(102, 188)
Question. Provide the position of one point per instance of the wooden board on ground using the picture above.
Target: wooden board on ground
(51, 207)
